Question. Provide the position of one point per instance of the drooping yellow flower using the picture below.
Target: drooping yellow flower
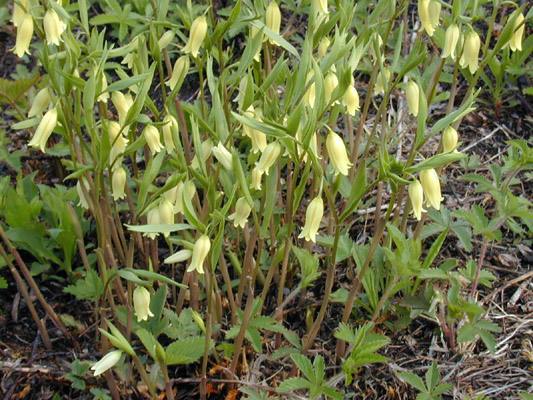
(53, 27)
(450, 139)
(337, 153)
(313, 217)
(141, 303)
(24, 35)
(152, 218)
(470, 56)
(107, 362)
(118, 144)
(40, 103)
(179, 72)
(242, 211)
(273, 18)
(428, 12)
(412, 92)
(166, 213)
(258, 138)
(416, 195)
(269, 157)
(118, 183)
(44, 130)
(431, 185)
(309, 95)
(170, 129)
(185, 191)
(451, 38)
(199, 253)
(351, 100)
(151, 134)
(257, 175)
(516, 40)
(196, 36)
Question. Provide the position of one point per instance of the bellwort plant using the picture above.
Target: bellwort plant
(242, 173)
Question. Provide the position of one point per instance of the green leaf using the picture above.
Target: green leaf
(186, 351)
(292, 384)
(89, 287)
(413, 380)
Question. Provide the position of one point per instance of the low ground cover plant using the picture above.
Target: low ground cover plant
(259, 182)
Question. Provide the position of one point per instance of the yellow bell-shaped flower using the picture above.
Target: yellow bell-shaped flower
(337, 153)
(141, 303)
(412, 92)
(196, 36)
(53, 27)
(242, 211)
(153, 140)
(416, 195)
(431, 185)
(451, 38)
(470, 56)
(450, 139)
(273, 18)
(24, 35)
(269, 157)
(199, 253)
(44, 130)
(313, 217)
(118, 183)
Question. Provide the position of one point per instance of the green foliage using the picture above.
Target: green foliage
(313, 379)
(364, 345)
(429, 389)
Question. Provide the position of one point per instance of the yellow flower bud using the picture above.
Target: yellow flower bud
(273, 18)
(330, 84)
(451, 39)
(104, 95)
(313, 217)
(122, 104)
(118, 182)
(416, 195)
(470, 55)
(337, 154)
(242, 211)
(196, 36)
(170, 129)
(257, 175)
(255, 31)
(268, 158)
(207, 148)
(431, 185)
(351, 100)
(516, 40)
(40, 103)
(321, 6)
(179, 72)
(53, 27)
(84, 203)
(223, 156)
(151, 134)
(20, 9)
(165, 40)
(199, 253)
(382, 81)
(24, 35)
(107, 362)
(44, 130)
(309, 96)
(323, 46)
(179, 256)
(141, 303)
(449, 139)
(412, 92)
